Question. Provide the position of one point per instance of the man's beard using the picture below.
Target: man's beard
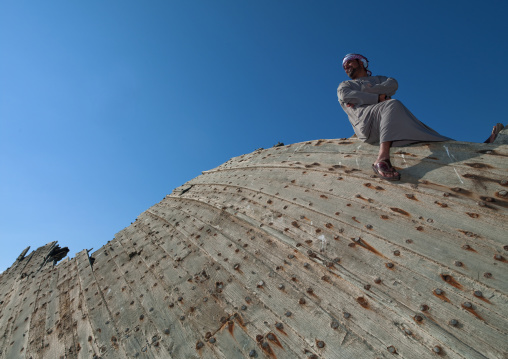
(351, 73)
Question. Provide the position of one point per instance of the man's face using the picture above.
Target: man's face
(352, 68)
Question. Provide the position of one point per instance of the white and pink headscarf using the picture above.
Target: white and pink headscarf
(362, 58)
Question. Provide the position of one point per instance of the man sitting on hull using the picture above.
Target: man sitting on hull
(379, 119)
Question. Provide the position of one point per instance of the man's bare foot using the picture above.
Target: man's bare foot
(495, 131)
(384, 169)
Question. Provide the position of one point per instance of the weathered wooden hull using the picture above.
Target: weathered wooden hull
(290, 252)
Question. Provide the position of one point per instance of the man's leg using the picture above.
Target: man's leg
(384, 155)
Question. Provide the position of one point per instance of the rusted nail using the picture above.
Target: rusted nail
(467, 305)
(487, 275)
(396, 253)
(424, 307)
(498, 257)
(302, 301)
(310, 290)
(270, 336)
(199, 345)
(408, 332)
(279, 325)
(438, 291)
(291, 256)
(281, 286)
(212, 341)
(392, 349)
(478, 293)
(288, 314)
(389, 265)
(466, 246)
(253, 354)
(366, 286)
(334, 324)
(320, 344)
(243, 307)
(458, 263)
(418, 318)
(347, 315)
(481, 204)
(437, 349)
(453, 322)
(306, 265)
(377, 280)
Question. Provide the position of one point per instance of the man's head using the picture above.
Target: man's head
(356, 66)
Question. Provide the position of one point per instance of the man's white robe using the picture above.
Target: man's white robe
(385, 121)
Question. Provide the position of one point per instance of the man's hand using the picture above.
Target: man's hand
(381, 98)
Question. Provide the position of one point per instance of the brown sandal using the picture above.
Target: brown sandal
(385, 167)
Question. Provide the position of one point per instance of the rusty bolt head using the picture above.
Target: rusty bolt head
(424, 307)
(389, 265)
(438, 291)
(481, 204)
(418, 318)
(243, 307)
(498, 257)
(310, 290)
(199, 345)
(212, 341)
(253, 354)
(347, 315)
(392, 349)
(458, 263)
(466, 246)
(478, 293)
(270, 336)
(467, 305)
(302, 301)
(320, 344)
(281, 286)
(505, 248)
(396, 253)
(279, 325)
(487, 275)
(377, 280)
(334, 324)
(503, 193)
(437, 349)
(366, 286)
(408, 332)
(454, 322)
(288, 314)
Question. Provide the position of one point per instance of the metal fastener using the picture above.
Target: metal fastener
(302, 301)
(281, 286)
(437, 349)
(458, 263)
(320, 344)
(487, 275)
(438, 291)
(279, 325)
(478, 293)
(498, 257)
(334, 324)
(377, 280)
(454, 322)
(288, 314)
(424, 307)
(199, 345)
(253, 354)
(467, 305)
(389, 265)
(392, 349)
(347, 315)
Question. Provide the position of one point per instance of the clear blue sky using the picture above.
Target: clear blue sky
(107, 106)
